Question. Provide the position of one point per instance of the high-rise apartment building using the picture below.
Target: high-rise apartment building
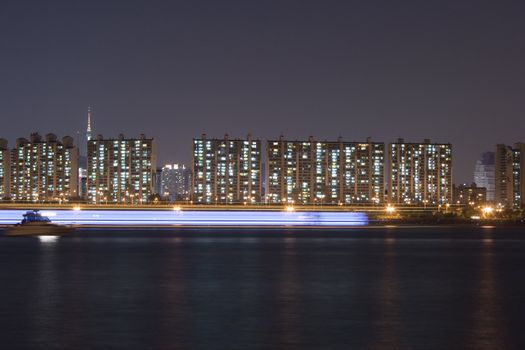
(44, 169)
(226, 170)
(484, 174)
(5, 170)
(121, 170)
(317, 172)
(503, 175)
(175, 182)
(510, 175)
(420, 173)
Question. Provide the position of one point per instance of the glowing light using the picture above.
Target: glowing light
(290, 209)
(177, 208)
(196, 218)
(390, 209)
(48, 239)
(76, 208)
(487, 210)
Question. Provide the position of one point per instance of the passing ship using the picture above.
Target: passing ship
(35, 224)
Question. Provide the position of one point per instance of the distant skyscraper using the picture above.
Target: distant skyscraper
(88, 130)
(82, 182)
(335, 172)
(121, 170)
(158, 181)
(226, 170)
(4, 170)
(510, 175)
(44, 169)
(420, 173)
(484, 174)
(175, 182)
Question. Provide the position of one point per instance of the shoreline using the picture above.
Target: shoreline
(296, 227)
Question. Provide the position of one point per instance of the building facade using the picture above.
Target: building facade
(318, 172)
(175, 182)
(158, 183)
(226, 171)
(510, 175)
(5, 170)
(484, 174)
(420, 173)
(82, 183)
(121, 170)
(44, 169)
(470, 194)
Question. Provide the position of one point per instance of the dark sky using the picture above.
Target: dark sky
(452, 71)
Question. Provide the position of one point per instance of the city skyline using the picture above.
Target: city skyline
(246, 174)
(440, 70)
(183, 154)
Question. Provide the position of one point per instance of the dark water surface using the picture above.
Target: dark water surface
(374, 288)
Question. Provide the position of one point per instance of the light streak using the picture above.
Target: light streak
(193, 218)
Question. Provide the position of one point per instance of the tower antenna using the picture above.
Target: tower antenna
(88, 130)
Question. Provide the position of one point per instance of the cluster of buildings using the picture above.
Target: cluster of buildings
(46, 169)
(231, 171)
(235, 171)
(499, 178)
(120, 170)
(227, 171)
(248, 171)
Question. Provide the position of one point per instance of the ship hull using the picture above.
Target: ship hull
(39, 230)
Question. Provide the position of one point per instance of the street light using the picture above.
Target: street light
(487, 210)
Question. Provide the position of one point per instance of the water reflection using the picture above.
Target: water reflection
(488, 330)
(45, 314)
(384, 290)
(173, 301)
(287, 298)
(389, 326)
(48, 239)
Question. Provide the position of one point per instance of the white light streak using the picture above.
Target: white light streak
(194, 218)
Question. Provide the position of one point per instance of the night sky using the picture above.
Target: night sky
(451, 71)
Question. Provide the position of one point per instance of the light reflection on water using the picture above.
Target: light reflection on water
(487, 329)
(390, 289)
(48, 239)
(390, 330)
(46, 307)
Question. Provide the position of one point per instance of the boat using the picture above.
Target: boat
(35, 224)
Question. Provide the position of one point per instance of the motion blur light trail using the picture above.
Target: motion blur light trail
(192, 218)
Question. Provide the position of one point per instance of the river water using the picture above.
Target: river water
(368, 288)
